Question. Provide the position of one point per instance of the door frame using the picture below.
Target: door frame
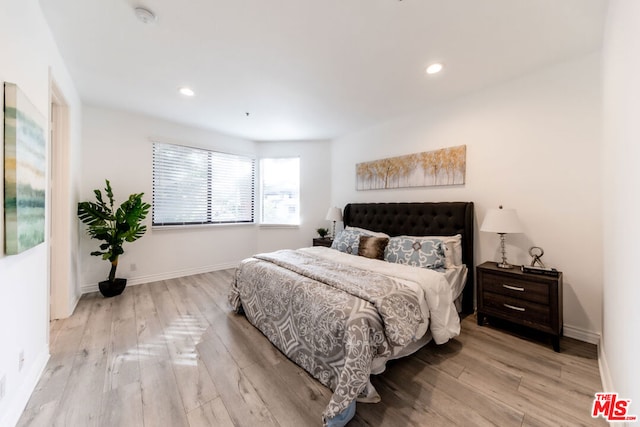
(59, 211)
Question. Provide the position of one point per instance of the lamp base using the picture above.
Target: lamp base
(504, 265)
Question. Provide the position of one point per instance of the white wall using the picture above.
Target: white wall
(621, 316)
(315, 189)
(29, 54)
(117, 145)
(533, 144)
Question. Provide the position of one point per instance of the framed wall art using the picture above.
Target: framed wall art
(446, 166)
(24, 172)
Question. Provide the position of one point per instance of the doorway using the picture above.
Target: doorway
(60, 209)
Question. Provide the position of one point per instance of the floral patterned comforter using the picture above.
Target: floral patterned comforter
(333, 319)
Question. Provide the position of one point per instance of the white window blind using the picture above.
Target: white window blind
(195, 186)
(280, 184)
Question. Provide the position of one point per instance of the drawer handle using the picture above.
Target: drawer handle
(513, 288)
(513, 307)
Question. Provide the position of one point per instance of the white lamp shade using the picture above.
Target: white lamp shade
(501, 221)
(334, 214)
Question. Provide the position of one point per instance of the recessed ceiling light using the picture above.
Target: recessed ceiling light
(186, 91)
(144, 15)
(434, 68)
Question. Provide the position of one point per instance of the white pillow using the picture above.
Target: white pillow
(367, 232)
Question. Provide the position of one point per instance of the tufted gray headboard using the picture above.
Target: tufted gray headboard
(421, 219)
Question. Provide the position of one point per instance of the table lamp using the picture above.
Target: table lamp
(334, 214)
(502, 221)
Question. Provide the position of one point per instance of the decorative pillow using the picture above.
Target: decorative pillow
(372, 247)
(415, 251)
(365, 232)
(452, 246)
(347, 241)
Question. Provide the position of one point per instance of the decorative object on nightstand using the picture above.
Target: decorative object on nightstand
(322, 232)
(323, 241)
(334, 214)
(531, 300)
(536, 253)
(502, 221)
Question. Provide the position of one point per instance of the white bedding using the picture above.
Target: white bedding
(457, 277)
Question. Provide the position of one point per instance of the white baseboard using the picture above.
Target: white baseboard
(603, 367)
(607, 381)
(76, 300)
(93, 287)
(19, 400)
(581, 334)
(605, 374)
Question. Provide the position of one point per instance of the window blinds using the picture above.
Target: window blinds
(196, 186)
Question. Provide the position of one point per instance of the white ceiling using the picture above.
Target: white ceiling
(308, 69)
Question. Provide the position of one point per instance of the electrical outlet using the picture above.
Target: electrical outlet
(20, 360)
(133, 267)
(3, 381)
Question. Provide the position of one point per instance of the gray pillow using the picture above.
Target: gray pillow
(415, 251)
(347, 241)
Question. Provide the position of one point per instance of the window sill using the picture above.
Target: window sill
(293, 226)
(195, 226)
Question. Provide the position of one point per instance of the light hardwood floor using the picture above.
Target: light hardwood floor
(170, 353)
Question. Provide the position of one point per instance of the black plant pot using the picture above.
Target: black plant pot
(111, 289)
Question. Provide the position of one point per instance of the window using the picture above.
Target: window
(280, 186)
(195, 186)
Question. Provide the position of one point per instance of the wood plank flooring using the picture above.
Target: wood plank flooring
(171, 353)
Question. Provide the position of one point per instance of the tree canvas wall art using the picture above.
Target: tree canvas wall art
(446, 166)
(24, 172)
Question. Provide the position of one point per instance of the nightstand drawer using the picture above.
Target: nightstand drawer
(516, 288)
(517, 310)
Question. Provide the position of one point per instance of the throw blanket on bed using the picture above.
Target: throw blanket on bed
(397, 304)
(330, 318)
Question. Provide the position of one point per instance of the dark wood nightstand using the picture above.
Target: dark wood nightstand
(327, 241)
(532, 300)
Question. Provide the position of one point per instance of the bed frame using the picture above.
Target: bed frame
(421, 219)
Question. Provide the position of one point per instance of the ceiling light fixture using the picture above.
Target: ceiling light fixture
(144, 15)
(186, 91)
(434, 68)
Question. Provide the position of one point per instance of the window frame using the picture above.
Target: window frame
(262, 194)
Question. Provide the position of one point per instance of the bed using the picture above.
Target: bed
(341, 316)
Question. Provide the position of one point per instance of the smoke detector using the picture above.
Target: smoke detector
(144, 15)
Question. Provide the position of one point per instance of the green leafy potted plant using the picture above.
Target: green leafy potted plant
(322, 232)
(114, 227)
